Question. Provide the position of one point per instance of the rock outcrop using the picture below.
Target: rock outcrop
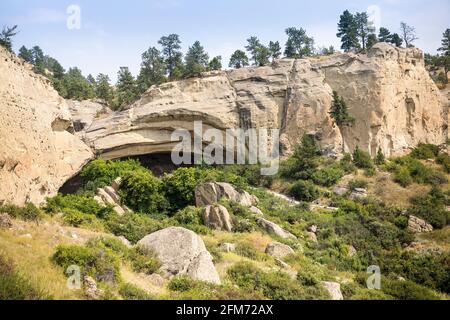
(38, 151)
(417, 225)
(388, 91)
(278, 250)
(182, 252)
(212, 192)
(272, 227)
(85, 112)
(333, 289)
(217, 217)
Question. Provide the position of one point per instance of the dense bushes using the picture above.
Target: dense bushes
(28, 213)
(304, 191)
(179, 187)
(425, 151)
(432, 208)
(362, 159)
(131, 292)
(273, 285)
(142, 192)
(407, 170)
(99, 263)
(328, 176)
(144, 260)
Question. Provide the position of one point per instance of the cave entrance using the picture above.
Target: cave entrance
(157, 163)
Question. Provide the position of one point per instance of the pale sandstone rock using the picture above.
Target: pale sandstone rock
(85, 112)
(182, 252)
(212, 192)
(418, 225)
(334, 290)
(278, 250)
(217, 217)
(256, 211)
(38, 152)
(272, 227)
(91, 290)
(388, 91)
(227, 247)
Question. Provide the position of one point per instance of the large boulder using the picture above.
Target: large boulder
(212, 192)
(217, 217)
(278, 250)
(39, 151)
(182, 252)
(272, 227)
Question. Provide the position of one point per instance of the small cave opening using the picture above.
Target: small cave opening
(157, 163)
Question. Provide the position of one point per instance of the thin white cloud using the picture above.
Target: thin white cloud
(41, 16)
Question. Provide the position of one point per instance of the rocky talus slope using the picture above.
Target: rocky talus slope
(38, 152)
(388, 91)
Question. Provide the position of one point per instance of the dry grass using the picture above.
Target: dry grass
(32, 256)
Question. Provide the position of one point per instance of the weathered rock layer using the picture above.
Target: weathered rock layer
(38, 152)
(388, 91)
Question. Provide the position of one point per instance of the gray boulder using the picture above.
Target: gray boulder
(182, 252)
(417, 225)
(212, 192)
(217, 217)
(278, 250)
(272, 227)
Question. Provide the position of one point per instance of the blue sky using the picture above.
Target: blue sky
(115, 33)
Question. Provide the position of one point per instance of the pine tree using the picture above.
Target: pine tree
(238, 60)
(127, 91)
(153, 69)
(445, 43)
(38, 59)
(26, 54)
(384, 35)
(339, 111)
(252, 47)
(6, 37)
(397, 40)
(76, 86)
(274, 49)
(216, 63)
(364, 28)
(371, 40)
(103, 89)
(173, 57)
(262, 56)
(298, 45)
(197, 60)
(348, 32)
(380, 159)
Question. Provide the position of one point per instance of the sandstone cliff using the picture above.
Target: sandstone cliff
(37, 151)
(388, 91)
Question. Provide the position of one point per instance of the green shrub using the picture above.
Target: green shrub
(362, 159)
(133, 226)
(247, 250)
(100, 173)
(100, 263)
(143, 192)
(304, 191)
(402, 177)
(346, 163)
(274, 285)
(431, 207)
(355, 184)
(189, 215)
(144, 260)
(83, 203)
(179, 187)
(380, 159)
(303, 162)
(131, 292)
(110, 243)
(78, 219)
(425, 151)
(14, 286)
(328, 176)
(407, 290)
(444, 160)
(307, 278)
(28, 213)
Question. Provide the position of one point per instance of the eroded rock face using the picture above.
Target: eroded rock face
(85, 112)
(272, 227)
(182, 252)
(334, 290)
(38, 151)
(388, 91)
